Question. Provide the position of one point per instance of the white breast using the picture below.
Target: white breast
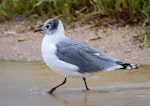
(51, 59)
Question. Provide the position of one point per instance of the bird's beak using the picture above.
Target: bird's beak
(38, 29)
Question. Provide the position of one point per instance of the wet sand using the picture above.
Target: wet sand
(26, 84)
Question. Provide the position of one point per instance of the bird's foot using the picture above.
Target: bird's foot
(51, 91)
(87, 89)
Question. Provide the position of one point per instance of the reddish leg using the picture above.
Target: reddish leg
(85, 84)
(53, 89)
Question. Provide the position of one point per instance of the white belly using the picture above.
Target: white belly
(61, 67)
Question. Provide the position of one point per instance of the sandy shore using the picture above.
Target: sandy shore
(20, 44)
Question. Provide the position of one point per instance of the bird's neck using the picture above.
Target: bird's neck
(54, 38)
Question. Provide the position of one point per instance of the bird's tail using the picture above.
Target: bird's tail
(129, 66)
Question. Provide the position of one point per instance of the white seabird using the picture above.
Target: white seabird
(71, 58)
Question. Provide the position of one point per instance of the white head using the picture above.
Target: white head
(52, 26)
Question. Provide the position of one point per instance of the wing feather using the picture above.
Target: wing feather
(84, 57)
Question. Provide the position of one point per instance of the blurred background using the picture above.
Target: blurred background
(26, 15)
(111, 11)
(95, 12)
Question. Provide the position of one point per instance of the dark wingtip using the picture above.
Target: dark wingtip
(129, 66)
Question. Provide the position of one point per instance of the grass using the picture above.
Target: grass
(127, 11)
(144, 38)
(98, 11)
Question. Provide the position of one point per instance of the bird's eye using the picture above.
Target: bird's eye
(47, 26)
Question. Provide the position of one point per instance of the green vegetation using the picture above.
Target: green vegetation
(143, 37)
(126, 11)
(109, 11)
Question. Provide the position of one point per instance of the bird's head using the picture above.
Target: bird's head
(51, 26)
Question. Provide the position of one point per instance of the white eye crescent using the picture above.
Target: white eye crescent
(48, 25)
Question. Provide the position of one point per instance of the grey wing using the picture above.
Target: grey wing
(85, 57)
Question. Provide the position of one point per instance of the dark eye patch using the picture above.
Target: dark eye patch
(55, 23)
(52, 24)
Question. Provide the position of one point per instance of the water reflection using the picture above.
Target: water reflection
(26, 84)
(101, 99)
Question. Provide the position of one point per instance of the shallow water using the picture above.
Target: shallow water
(26, 84)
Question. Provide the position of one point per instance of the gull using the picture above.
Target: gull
(71, 58)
